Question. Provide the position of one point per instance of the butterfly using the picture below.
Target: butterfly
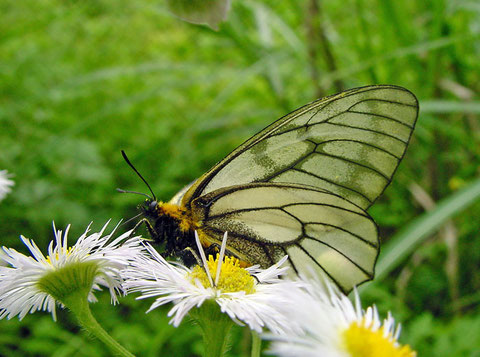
(300, 187)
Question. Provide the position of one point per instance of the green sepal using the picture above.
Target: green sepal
(216, 327)
(74, 278)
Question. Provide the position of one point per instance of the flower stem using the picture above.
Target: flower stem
(78, 304)
(256, 344)
(216, 327)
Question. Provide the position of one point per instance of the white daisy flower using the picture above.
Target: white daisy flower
(37, 282)
(335, 327)
(5, 184)
(251, 296)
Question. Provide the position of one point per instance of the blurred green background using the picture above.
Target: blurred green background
(81, 80)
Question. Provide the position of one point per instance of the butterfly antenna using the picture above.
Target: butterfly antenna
(135, 192)
(139, 175)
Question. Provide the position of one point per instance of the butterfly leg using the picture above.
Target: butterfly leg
(190, 257)
(149, 227)
(213, 249)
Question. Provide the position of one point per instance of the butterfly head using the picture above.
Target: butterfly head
(149, 207)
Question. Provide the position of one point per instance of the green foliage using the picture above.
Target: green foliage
(443, 339)
(81, 80)
(416, 232)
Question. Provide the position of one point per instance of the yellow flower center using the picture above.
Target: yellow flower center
(69, 251)
(233, 277)
(362, 341)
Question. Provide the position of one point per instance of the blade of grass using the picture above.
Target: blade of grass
(418, 48)
(404, 243)
(266, 41)
(449, 106)
(364, 47)
(278, 24)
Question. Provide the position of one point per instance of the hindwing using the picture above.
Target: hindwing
(314, 227)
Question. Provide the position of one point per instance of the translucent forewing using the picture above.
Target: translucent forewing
(349, 144)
